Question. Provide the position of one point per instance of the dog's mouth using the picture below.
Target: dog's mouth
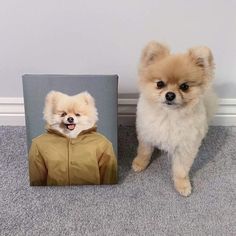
(70, 126)
(170, 103)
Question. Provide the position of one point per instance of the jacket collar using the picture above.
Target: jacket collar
(53, 131)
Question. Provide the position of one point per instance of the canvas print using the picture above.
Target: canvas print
(71, 151)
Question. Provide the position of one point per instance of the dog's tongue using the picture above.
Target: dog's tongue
(70, 127)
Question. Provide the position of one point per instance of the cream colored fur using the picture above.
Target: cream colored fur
(177, 129)
(80, 107)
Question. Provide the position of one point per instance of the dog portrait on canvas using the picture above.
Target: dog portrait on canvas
(71, 151)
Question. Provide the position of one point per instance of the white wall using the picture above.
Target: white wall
(105, 36)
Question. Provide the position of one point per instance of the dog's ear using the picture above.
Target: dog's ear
(89, 100)
(153, 52)
(49, 104)
(202, 57)
(52, 96)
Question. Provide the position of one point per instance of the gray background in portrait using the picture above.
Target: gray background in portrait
(102, 87)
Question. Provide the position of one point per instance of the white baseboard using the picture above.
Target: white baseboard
(12, 111)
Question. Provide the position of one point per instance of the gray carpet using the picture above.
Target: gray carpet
(141, 204)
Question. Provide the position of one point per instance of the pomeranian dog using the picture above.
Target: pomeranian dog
(175, 106)
(70, 115)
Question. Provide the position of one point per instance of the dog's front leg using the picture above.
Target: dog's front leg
(143, 157)
(182, 161)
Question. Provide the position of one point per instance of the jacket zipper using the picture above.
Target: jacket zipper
(69, 161)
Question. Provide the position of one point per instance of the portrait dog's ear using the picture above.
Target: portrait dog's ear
(202, 57)
(89, 100)
(153, 52)
(50, 101)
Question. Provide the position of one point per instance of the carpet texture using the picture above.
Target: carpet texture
(141, 204)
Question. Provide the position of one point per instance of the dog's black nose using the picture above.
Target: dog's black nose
(70, 119)
(170, 96)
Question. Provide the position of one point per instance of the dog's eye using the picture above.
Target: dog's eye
(77, 114)
(63, 114)
(184, 87)
(160, 84)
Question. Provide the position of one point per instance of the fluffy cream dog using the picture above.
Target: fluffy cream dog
(175, 106)
(70, 115)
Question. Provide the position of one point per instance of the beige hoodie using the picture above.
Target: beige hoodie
(55, 159)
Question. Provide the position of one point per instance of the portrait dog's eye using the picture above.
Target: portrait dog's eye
(160, 84)
(63, 114)
(184, 87)
(77, 114)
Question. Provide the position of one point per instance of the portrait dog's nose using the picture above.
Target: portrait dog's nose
(70, 119)
(170, 96)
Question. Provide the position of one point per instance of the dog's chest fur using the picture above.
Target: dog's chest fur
(168, 129)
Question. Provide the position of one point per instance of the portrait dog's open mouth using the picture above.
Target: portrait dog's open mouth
(70, 126)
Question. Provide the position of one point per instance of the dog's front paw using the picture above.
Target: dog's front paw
(139, 164)
(183, 186)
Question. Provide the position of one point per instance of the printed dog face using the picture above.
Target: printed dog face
(175, 81)
(70, 114)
